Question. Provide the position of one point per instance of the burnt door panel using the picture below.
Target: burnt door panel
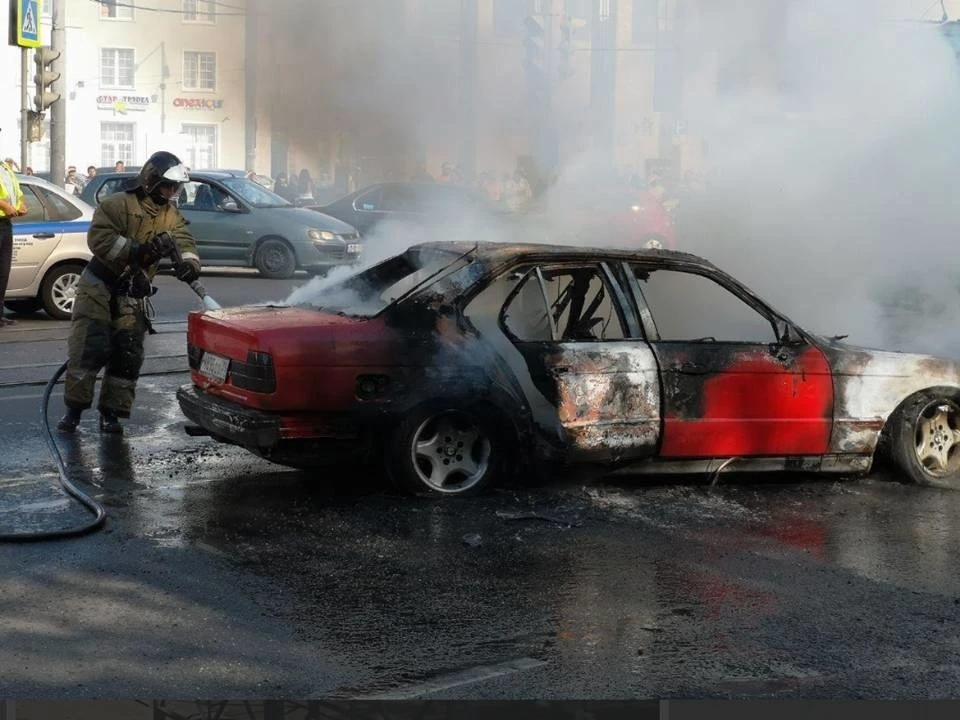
(606, 395)
(726, 400)
(731, 385)
(570, 328)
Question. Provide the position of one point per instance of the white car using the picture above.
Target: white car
(49, 250)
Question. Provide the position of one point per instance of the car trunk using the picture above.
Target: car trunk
(287, 359)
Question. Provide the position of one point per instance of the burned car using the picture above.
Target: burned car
(462, 362)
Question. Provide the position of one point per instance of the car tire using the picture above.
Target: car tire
(445, 451)
(925, 438)
(274, 259)
(58, 290)
(25, 306)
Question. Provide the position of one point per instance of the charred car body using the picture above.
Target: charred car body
(459, 360)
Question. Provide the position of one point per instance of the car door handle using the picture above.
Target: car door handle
(688, 368)
(44, 236)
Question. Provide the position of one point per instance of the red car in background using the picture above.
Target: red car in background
(623, 218)
(455, 362)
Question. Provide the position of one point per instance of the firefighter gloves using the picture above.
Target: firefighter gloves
(187, 271)
(159, 246)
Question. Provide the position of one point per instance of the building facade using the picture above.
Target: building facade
(138, 77)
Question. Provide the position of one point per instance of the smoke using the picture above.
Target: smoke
(831, 166)
(834, 199)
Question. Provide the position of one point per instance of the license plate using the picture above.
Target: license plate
(353, 249)
(214, 367)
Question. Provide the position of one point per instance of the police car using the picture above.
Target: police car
(49, 249)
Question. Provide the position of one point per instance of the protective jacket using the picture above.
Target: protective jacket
(126, 220)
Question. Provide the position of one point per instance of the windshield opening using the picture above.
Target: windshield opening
(376, 288)
(254, 194)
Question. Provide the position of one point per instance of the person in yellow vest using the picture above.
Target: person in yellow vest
(130, 233)
(12, 205)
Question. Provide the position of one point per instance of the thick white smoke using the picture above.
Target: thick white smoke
(830, 185)
(835, 200)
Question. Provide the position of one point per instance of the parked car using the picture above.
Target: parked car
(411, 202)
(458, 361)
(49, 249)
(239, 223)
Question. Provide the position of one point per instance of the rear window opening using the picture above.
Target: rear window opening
(375, 289)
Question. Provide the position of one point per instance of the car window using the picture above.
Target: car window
(686, 306)
(109, 187)
(58, 208)
(254, 194)
(577, 300)
(35, 209)
(201, 197)
(369, 201)
(525, 315)
(401, 198)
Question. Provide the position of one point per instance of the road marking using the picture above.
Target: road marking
(465, 677)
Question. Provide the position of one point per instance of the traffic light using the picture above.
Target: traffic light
(534, 63)
(46, 76)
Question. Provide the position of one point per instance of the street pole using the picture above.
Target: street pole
(468, 89)
(58, 110)
(24, 111)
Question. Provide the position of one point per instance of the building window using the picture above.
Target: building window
(201, 146)
(578, 8)
(116, 143)
(508, 16)
(115, 9)
(645, 21)
(199, 11)
(604, 10)
(116, 68)
(199, 70)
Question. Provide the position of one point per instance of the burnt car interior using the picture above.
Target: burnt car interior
(562, 304)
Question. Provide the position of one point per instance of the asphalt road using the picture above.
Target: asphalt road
(221, 575)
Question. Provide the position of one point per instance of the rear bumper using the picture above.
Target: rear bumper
(224, 419)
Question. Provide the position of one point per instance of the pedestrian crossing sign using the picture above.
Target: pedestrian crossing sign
(28, 23)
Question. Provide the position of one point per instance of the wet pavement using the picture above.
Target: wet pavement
(221, 575)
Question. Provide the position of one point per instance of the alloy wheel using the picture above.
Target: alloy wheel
(451, 452)
(937, 438)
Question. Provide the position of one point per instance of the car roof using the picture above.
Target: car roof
(202, 174)
(69, 197)
(497, 253)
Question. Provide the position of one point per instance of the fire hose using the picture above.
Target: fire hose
(98, 511)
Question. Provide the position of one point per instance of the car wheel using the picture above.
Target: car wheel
(58, 290)
(24, 306)
(441, 451)
(274, 259)
(926, 439)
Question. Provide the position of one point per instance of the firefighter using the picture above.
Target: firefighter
(130, 232)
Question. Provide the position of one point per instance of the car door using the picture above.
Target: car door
(584, 350)
(732, 386)
(34, 238)
(219, 222)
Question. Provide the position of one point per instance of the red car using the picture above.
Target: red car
(460, 362)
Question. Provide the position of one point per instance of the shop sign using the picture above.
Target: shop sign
(122, 104)
(198, 103)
